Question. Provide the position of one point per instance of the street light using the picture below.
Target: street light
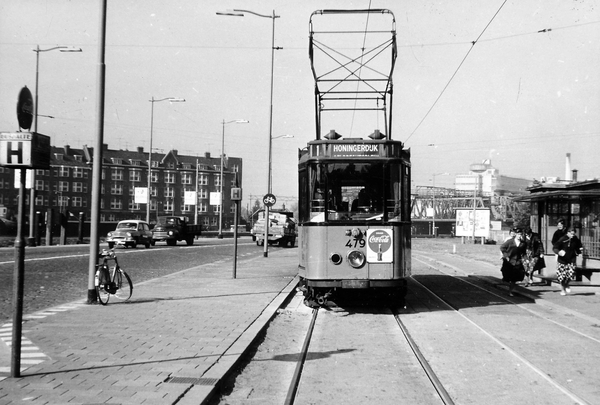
(172, 100)
(220, 235)
(37, 51)
(436, 174)
(240, 13)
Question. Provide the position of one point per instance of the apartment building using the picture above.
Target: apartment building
(67, 185)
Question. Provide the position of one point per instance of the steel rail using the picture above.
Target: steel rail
(293, 389)
(437, 384)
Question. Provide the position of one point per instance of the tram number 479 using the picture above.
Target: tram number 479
(355, 243)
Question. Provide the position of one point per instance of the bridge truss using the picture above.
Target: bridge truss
(444, 202)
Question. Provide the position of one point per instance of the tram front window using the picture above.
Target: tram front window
(352, 191)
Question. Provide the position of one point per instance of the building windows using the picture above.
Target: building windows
(40, 185)
(116, 173)
(154, 177)
(116, 189)
(202, 194)
(78, 172)
(116, 203)
(79, 187)
(63, 171)
(153, 191)
(186, 178)
(169, 206)
(217, 180)
(63, 186)
(77, 202)
(203, 180)
(133, 206)
(169, 192)
(135, 175)
(170, 178)
(202, 207)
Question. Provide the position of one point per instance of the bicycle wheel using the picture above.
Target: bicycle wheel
(124, 285)
(102, 294)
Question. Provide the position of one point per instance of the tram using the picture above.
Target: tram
(354, 191)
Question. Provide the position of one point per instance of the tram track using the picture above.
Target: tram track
(428, 372)
(543, 314)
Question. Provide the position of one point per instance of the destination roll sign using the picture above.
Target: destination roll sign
(27, 150)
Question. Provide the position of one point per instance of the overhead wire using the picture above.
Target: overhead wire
(455, 72)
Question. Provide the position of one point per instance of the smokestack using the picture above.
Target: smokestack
(574, 175)
(568, 167)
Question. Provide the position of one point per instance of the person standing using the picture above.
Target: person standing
(513, 251)
(567, 248)
(534, 255)
(560, 231)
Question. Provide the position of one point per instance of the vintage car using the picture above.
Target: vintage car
(130, 233)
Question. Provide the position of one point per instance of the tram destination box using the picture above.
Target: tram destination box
(26, 150)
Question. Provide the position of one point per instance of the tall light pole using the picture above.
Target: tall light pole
(37, 51)
(220, 235)
(152, 101)
(240, 13)
(436, 174)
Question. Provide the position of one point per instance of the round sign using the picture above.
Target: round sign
(25, 108)
(380, 241)
(269, 200)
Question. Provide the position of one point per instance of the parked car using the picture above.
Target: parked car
(130, 233)
(172, 229)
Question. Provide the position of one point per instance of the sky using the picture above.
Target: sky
(517, 82)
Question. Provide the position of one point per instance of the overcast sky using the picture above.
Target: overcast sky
(514, 81)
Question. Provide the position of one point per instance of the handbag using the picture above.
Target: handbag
(540, 264)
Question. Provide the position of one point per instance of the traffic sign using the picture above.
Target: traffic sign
(269, 200)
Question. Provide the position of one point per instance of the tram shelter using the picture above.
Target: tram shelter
(578, 203)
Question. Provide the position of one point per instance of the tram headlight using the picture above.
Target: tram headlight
(356, 258)
(335, 258)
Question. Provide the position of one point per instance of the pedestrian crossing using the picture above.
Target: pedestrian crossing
(30, 353)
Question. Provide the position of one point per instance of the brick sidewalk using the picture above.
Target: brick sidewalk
(173, 341)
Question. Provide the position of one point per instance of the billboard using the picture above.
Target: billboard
(464, 222)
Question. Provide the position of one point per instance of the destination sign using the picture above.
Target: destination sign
(355, 149)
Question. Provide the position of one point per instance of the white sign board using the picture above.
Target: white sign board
(28, 175)
(214, 198)
(189, 198)
(464, 222)
(140, 195)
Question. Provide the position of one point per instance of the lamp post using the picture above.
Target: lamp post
(477, 169)
(220, 235)
(153, 100)
(37, 50)
(436, 174)
(273, 16)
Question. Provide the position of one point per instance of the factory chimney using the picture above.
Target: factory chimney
(568, 173)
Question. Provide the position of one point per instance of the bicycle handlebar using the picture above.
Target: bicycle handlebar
(108, 254)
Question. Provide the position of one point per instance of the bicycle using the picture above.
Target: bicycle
(111, 281)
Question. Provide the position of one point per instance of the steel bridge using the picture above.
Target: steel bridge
(443, 202)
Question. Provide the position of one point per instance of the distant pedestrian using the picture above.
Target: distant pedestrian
(560, 231)
(567, 248)
(534, 255)
(513, 251)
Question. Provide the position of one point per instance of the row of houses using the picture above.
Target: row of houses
(67, 185)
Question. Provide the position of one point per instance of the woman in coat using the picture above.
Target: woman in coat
(567, 248)
(534, 256)
(513, 251)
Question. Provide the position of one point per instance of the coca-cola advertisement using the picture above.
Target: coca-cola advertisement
(379, 246)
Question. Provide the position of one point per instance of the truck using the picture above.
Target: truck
(282, 229)
(172, 229)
